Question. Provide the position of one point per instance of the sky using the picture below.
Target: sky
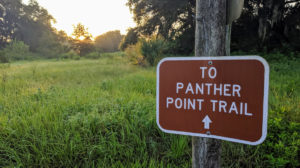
(99, 16)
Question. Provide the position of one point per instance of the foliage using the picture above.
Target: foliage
(16, 50)
(270, 24)
(273, 56)
(285, 90)
(109, 41)
(267, 24)
(153, 49)
(93, 55)
(83, 47)
(31, 24)
(133, 52)
(76, 57)
(283, 144)
(113, 55)
(101, 113)
(69, 55)
(149, 50)
(172, 19)
(279, 150)
(131, 38)
(82, 42)
(80, 32)
(10, 11)
(48, 46)
(3, 58)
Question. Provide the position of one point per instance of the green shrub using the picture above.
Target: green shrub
(3, 58)
(148, 51)
(69, 55)
(16, 50)
(276, 56)
(131, 38)
(133, 52)
(93, 55)
(153, 49)
(283, 143)
(76, 57)
(280, 149)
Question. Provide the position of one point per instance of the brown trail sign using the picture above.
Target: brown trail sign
(215, 97)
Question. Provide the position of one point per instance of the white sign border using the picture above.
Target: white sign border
(265, 100)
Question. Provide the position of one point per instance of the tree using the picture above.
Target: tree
(270, 24)
(267, 24)
(109, 41)
(31, 24)
(2, 12)
(172, 19)
(10, 16)
(80, 32)
(130, 38)
(82, 43)
(64, 40)
(16, 50)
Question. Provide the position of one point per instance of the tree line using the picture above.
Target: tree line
(26, 32)
(265, 25)
(163, 27)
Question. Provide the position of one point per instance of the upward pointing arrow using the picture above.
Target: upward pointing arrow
(206, 122)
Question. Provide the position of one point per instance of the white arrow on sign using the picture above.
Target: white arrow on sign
(206, 122)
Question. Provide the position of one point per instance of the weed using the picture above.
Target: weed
(101, 113)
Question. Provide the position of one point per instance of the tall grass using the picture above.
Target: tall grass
(101, 113)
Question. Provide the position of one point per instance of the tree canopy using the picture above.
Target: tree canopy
(269, 24)
(28, 23)
(81, 32)
(172, 19)
(109, 41)
(82, 42)
(130, 38)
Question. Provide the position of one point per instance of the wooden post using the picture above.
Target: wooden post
(228, 39)
(210, 34)
(210, 40)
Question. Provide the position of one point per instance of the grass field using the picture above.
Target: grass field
(101, 113)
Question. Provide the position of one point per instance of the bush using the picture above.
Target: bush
(283, 143)
(77, 57)
(69, 55)
(109, 41)
(130, 39)
(93, 55)
(3, 58)
(148, 50)
(280, 149)
(153, 49)
(133, 52)
(277, 56)
(16, 50)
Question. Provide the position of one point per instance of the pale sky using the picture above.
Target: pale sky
(99, 16)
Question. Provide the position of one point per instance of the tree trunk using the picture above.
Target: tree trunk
(210, 40)
(210, 28)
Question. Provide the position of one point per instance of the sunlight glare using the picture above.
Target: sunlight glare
(99, 16)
